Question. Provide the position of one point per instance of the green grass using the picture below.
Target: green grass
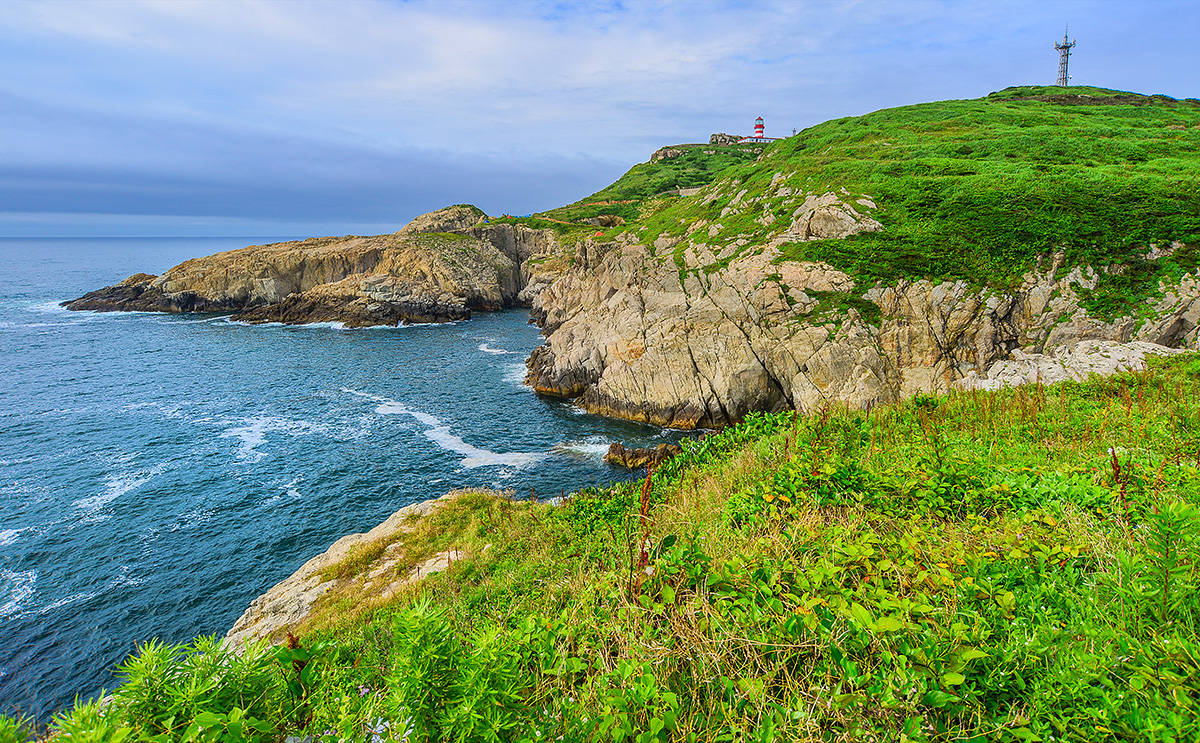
(692, 168)
(1017, 565)
(627, 196)
(981, 189)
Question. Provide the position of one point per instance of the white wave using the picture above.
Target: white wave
(592, 446)
(290, 492)
(173, 320)
(488, 349)
(7, 325)
(67, 601)
(117, 485)
(329, 325)
(514, 373)
(186, 521)
(167, 410)
(252, 433)
(15, 588)
(120, 580)
(440, 434)
(9, 536)
(52, 307)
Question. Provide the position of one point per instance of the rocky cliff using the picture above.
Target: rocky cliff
(632, 337)
(1035, 232)
(438, 268)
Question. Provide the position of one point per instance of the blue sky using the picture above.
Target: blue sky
(174, 117)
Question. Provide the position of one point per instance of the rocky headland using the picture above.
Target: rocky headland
(855, 263)
(379, 570)
(438, 268)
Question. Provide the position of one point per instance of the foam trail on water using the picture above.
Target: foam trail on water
(15, 587)
(117, 485)
(440, 434)
(488, 349)
(253, 433)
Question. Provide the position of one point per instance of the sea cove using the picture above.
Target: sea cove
(157, 472)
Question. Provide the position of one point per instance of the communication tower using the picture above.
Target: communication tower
(1064, 55)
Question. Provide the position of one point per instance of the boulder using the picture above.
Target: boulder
(635, 458)
(723, 139)
(449, 219)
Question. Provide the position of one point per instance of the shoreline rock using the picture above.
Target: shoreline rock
(439, 268)
(636, 458)
(287, 604)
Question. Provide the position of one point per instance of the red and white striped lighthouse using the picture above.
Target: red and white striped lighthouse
(758, 127)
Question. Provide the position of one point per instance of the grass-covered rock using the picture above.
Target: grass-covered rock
(1014, 565)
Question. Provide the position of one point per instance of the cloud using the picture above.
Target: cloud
(365, 110)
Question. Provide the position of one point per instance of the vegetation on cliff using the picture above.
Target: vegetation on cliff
(1018, 565)
(979, 189)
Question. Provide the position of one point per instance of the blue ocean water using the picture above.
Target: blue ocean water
(158, 472)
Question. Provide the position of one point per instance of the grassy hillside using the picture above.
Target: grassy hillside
(1008, 566)
(695, 165)
(979, 189)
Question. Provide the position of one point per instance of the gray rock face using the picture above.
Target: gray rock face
(722, 139)
(1075, 362)
(440, 267)
(631, 336)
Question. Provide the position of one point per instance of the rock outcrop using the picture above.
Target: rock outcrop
(686, 334)
(289, 603)
(438, 268)
(635, 458)
(1074, 362)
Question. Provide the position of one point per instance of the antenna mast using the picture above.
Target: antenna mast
(1064, 55)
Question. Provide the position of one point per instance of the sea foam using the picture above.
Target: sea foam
(488, 349)
(16, 586)
(440, 434)
(592, 446)
(116, 485)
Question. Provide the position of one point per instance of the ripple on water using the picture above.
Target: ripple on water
(16, 586)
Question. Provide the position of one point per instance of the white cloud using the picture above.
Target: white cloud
(200, 87)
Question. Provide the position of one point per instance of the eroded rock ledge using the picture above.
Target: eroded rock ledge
(438, 268)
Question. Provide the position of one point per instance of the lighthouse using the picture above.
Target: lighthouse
(760, 136)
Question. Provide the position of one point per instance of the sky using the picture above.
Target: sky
(216, 117)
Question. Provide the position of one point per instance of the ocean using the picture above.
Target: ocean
(158, 472)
